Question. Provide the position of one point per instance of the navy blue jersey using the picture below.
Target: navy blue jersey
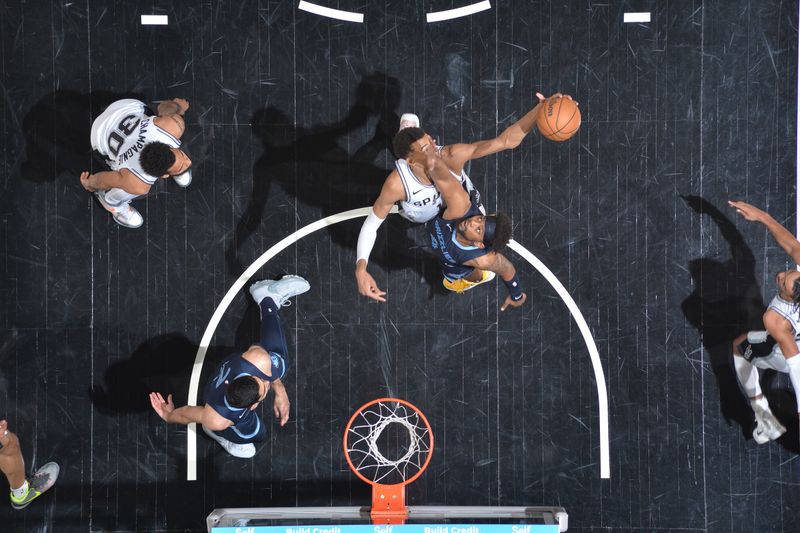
(246, 423)
(452, 254)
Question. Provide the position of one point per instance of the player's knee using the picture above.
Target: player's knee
(10, 444)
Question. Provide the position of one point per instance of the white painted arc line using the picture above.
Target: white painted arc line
(155, 20)
(238, 285)
(349, 16)
(600, 378)
(636, 17)
(477, 7)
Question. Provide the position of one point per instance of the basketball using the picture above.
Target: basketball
(559, 119)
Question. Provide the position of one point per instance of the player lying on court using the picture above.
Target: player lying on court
(777, 347)
(466, 242)
(412, 190)
(139, 149)
(243, 380)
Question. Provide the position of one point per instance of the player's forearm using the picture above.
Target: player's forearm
(186, 415)
(514, 134)
(103, 181)
(503, 267)
(782, 236)
(279, 390)
(366, 239)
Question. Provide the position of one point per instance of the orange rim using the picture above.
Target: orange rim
(373, 402)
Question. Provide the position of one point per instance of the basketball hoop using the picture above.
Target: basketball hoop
(388, 443)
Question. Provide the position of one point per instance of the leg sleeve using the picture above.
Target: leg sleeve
(272, 338)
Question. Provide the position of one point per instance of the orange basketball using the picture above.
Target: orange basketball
(559, 119)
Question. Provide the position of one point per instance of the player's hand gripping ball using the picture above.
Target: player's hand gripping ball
(559, 118)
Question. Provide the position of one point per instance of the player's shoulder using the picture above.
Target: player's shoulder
(775, 321)
(393, 184)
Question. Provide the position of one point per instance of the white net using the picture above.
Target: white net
(388, 442)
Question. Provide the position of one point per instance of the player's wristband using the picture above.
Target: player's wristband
(514, 288)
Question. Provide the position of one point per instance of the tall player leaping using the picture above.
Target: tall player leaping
(413, 190)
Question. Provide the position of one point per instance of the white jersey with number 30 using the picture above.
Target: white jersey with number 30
(120, 133)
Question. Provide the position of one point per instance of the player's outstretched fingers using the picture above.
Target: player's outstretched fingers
(376, 294)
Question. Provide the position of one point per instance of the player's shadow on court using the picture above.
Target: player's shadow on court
(726, 302)
(312, 165)
(57, 130)
(164, 364)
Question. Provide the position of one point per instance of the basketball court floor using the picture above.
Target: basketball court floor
(614, 398)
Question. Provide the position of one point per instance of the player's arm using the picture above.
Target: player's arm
(170, 116)
(391, 193)
(783, 333)
(188, 413)
(124, 179)
(281, 404)
(782, 236)
(780, 330)
(458, 154)
(500, 265)
(455, 197)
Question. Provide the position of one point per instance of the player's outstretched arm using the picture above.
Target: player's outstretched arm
(782, 236)
(391, 193)
(187, 414)
(500, 265)
(458, 154)
(102, 181)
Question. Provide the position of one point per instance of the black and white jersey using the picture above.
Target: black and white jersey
(423, 201)
(120, 133)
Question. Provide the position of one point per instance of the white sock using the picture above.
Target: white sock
(747, 376)
(793, 363)
(761, 402)
(117, 196)
(22, 491)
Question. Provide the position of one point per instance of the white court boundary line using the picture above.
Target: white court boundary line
(238, 285)
(349, 16)
(477, 7)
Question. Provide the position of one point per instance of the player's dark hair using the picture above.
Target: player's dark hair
(502, 231)
(243, 392)
(796, 294)
(404, 139)
(156, 158)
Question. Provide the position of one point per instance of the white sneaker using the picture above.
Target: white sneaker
(767, 426)
(183, 180)
(409, 120)
(280, 290)
(124, 215)
(243, 451)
